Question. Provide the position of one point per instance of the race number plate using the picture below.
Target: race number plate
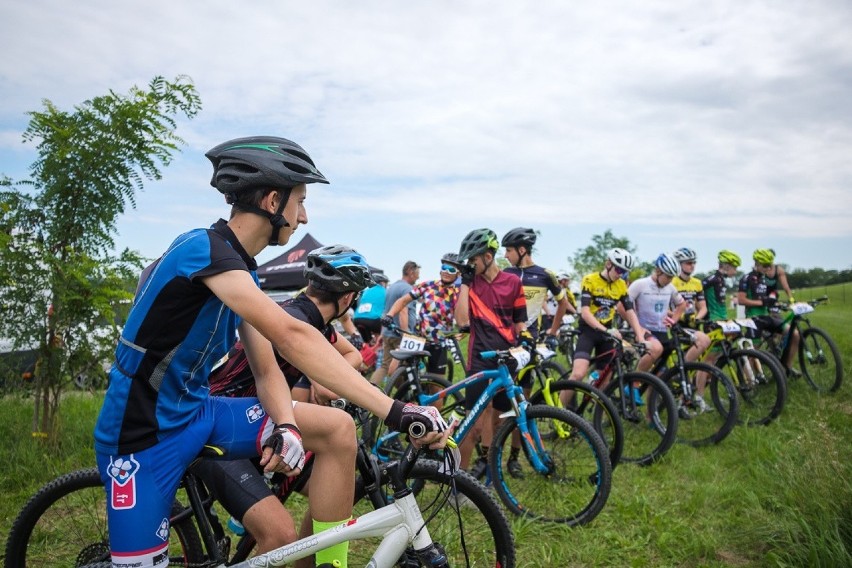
(729, 326)
(521, 355)
(800, 308)
(411, 343)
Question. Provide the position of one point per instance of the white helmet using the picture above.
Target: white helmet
(621, 258)
(684, 254)
(667, 264)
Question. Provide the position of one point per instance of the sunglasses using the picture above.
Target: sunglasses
(688, 262)
(449, 269)
(619, 271)
(760, 264)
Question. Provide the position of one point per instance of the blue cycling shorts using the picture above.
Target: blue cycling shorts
(141, 487)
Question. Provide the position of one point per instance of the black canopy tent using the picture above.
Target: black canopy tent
(286, 271)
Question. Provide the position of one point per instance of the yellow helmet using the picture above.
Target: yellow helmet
(764, 256)
(729, 257)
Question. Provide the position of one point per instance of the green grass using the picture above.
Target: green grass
(779, 495)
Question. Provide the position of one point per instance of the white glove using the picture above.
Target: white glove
(286, 441)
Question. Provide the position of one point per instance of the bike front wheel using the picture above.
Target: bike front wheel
(592, 405)
(465, 520)
(820, 360)
(65, 524)
(574, 484)
(708, 423)
(648, 414)
(760, 382)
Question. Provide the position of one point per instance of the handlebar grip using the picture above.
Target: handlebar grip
(485, 355)
(416, 430)
(338, 403)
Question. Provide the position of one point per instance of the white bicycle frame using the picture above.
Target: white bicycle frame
(399, 524)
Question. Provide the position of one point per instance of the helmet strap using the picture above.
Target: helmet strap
(276, 219)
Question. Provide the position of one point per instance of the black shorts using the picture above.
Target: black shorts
(593, 340)
(437, 362)
(367, 327)
(472, 393)
(772, 324)
(237, 484)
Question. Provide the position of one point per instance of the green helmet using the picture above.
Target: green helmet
(477, 242)
(764, 256)
(728, 257)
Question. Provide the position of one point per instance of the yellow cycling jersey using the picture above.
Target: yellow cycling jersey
(692, 291)
(602, 296)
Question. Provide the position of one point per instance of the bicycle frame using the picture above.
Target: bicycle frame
(501, 379)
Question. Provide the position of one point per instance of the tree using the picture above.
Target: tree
(60, 281)
(591, 259)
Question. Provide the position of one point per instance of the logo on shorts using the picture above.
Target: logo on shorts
(163, 530)
(255, 413)
(122, 471)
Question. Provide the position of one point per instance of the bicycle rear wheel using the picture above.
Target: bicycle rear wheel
(760, 382)
(576, 484)
(650, 426)
(711, 424)
(820, 360)
(65, 524)
(593, 406)
(469, 524)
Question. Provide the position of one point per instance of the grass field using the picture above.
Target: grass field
(779, 495)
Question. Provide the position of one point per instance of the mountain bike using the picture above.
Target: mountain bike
(819, 357)
(700, 423)
(548, 379)
(644, 405)
(567, 339)
(64, 523)
(563, 451)
(758, 377)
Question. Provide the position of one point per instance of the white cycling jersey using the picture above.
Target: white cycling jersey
(651, 302)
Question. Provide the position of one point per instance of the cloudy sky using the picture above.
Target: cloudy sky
(704, 124)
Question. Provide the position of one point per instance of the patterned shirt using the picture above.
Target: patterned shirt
(438, 300)
(714, 293)
(754, 286)
(692, 290)
(602, 296)
(537, 282)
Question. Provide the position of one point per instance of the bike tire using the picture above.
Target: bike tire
(762, 390)
(65, 524)
(593, 406)
(703, 428)
(552, 369)
(576, 485)
(484, 537)
(647, 437)
(823, 374)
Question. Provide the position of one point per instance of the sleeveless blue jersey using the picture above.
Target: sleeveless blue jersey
(176, 331)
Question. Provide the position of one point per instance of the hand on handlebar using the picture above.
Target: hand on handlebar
(387, 321)
(769, 301)
(421, 423)
(614, 332)
(551, 342)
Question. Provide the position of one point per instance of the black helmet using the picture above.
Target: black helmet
(451, 258)
(338, 268)
(477, 242)
(380, 277)
(261, 161)
(519, 236)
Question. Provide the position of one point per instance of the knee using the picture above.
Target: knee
(702, 342)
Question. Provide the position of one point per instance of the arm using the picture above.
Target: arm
(589, 318)
(743, 301)
(461, 313)
(700, 309)
(399, 307)
(782, 279)
(322, 395)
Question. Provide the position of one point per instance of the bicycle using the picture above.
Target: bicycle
(562, 449)
(649, 433)
(819, 357)
(64, 523)
(758, 377)
(699, 424)
(587, 401)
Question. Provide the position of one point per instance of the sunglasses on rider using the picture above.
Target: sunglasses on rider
(449, 269)
(620, 271)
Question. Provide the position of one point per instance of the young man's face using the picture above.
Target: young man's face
(687, 267)
(728, 270)
(513, 256)
(294, 212)
(478, 263)
(663, 279)
(449, 273)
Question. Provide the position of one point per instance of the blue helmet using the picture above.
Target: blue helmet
(338, 268)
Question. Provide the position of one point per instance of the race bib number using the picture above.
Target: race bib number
(364, 308)
(800, 308)
(411, 343)
(729, 326)
(521, 355)
(749, 323)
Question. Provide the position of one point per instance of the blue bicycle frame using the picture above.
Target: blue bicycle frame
(500, 379)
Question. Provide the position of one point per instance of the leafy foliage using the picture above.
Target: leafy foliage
(591, 258)
(60, 281)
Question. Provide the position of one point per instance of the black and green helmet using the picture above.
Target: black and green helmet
(257, 162)
(477, 242)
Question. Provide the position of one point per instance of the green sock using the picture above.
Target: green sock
(335, 555)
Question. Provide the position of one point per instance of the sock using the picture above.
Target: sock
(337, 553)
(513, 453)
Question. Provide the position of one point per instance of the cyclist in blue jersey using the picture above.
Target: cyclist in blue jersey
(158, 414)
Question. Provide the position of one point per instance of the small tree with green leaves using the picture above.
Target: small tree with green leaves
(591, 258)
(61, 282)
